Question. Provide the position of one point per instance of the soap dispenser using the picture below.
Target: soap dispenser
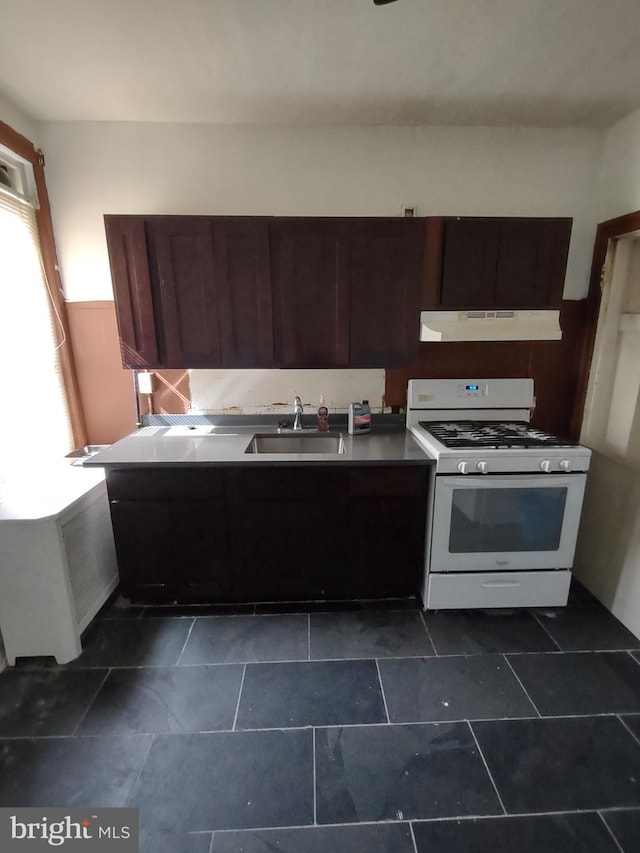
(323, 417)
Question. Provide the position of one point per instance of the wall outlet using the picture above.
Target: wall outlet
(409, 211)
(145, 382)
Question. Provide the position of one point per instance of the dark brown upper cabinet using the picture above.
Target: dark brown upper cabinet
(385, 268)
(491, 263)
(128, 257)
(212, 277)
(241, 268)
(202, 291)
(310, 285)
(192, 291)
(187, 294)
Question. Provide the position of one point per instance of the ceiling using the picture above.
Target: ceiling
(553, 63)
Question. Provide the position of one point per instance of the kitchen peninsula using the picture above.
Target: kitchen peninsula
(198, 515)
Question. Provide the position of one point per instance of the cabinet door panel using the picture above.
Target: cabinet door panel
(385, 281)
(310, 285)
(202, 554)
(386, 546)
(288, 549)
(289, 529)
(143, 536)
(469, 263)
(128, 258)
(241, 269)
(531, 262)
(188, 296)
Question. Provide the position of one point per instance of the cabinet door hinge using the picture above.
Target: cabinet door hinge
(40, 154)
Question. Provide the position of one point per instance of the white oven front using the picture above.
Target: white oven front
(509, 522)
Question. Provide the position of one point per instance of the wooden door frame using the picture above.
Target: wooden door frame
(612, 229)
(24, 148)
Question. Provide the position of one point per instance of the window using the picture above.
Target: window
(35, 428)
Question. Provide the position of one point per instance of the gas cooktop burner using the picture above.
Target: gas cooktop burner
(494, 434)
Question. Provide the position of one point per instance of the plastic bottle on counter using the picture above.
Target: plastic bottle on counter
(323, 417)
(359, 418)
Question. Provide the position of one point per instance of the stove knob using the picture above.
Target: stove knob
(565, 465)
(545, 465)
(462, 467)
(482, 467)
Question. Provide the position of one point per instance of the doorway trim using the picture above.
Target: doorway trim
(609, 230)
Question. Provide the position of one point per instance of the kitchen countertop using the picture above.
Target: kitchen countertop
(152, 447)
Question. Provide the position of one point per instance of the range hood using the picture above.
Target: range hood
(490, 326)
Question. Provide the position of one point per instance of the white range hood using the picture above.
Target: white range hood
(490, 326)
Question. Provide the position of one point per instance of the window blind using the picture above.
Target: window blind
(35, 428)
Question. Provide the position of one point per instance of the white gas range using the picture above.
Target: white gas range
(506, 497)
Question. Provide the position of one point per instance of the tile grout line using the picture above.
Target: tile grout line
(315, 785)
(413, 837)
(235, 716)
(65, 668)
(610, 831)
(88, 708)
(134, 787)
(426, 628)
(484, 761)
(304, 726)
(384, 698)
(308, 636)
(213, 838)
(193, 622)
(404, 821)
(633, 735)
(544, 628)
(526, 692)
(630, 652)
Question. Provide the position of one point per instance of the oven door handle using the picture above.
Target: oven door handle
(502, 480)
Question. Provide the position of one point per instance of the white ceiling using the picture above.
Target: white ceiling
(486, 62)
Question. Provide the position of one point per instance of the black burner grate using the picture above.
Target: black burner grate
(496, 434)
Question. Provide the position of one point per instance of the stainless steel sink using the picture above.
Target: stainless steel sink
(301, 442)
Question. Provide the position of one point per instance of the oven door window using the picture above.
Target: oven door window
(506, 520)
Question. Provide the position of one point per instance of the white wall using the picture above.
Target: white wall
(97, 168)
(620, 177)
(19, 120)
(222, 392)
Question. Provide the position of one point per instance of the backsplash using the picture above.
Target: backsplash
(272, 391)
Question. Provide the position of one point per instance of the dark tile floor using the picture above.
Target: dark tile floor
(365, 726)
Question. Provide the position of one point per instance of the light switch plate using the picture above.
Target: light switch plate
(145, 383)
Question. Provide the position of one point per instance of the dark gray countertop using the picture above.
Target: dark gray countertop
(151, 447)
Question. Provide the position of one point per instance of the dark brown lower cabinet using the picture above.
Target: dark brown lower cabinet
(289, 532)
(387, 518)
(171, 533)
(143, 547)
(269, 534)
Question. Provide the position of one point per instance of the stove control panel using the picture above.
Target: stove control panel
(514, 463)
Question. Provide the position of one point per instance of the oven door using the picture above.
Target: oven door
(505, 522)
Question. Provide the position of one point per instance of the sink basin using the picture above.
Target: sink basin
(312, 442)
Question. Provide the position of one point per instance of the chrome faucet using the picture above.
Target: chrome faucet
(297, 410)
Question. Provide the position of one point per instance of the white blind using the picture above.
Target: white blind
(35, 429)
